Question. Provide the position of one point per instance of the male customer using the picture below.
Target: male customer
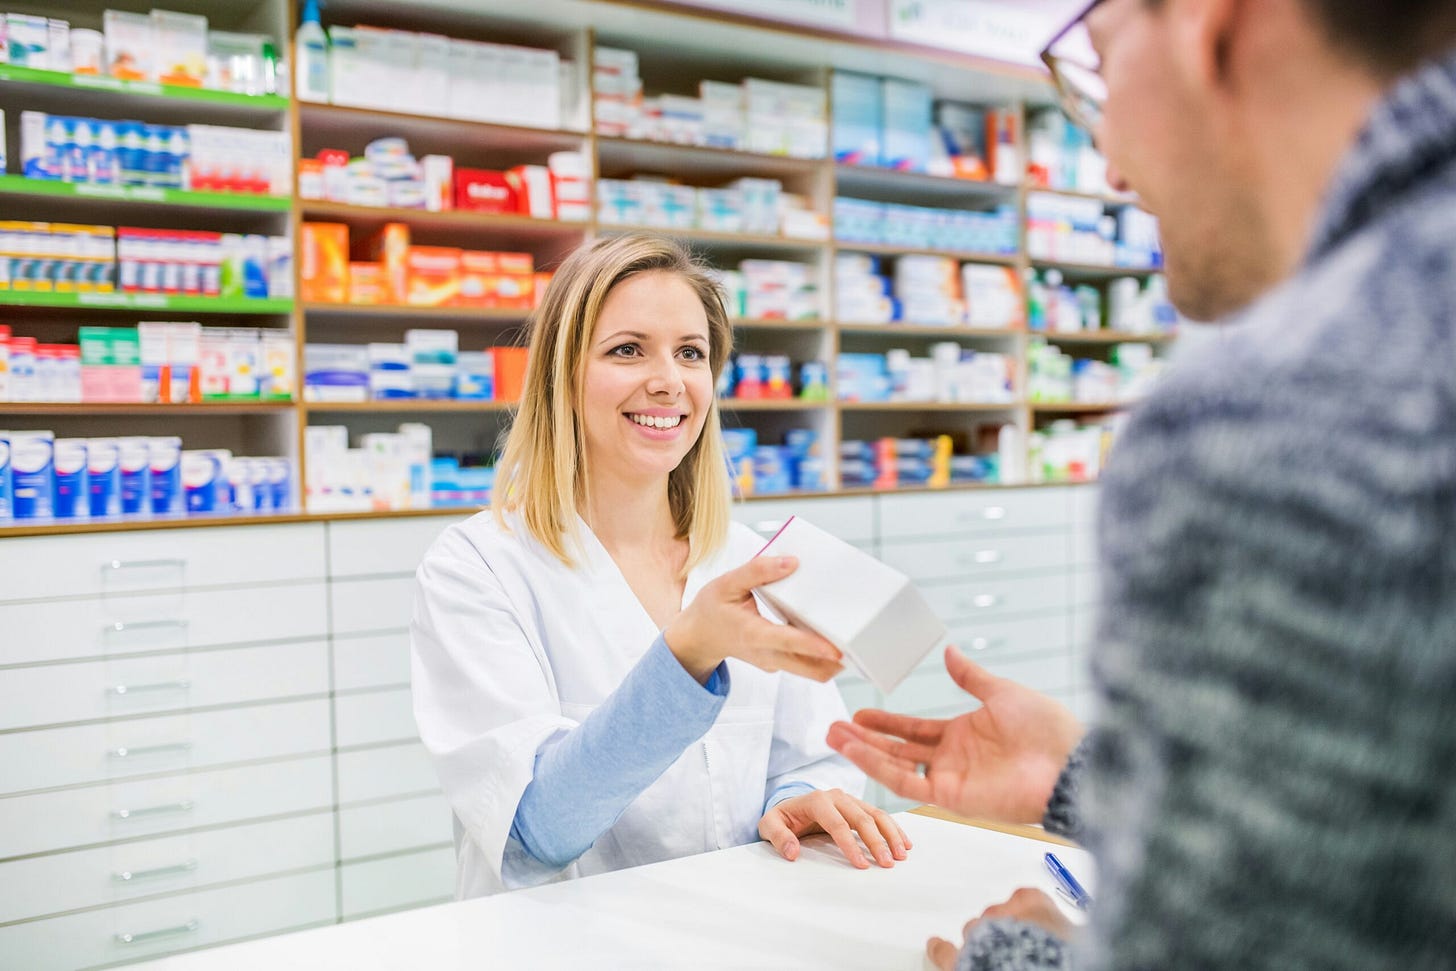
(1271, 778)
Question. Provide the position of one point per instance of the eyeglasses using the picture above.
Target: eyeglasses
(1076, 71)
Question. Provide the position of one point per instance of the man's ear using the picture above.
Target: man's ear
(1203, 32)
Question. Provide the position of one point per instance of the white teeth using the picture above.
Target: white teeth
(648, 421)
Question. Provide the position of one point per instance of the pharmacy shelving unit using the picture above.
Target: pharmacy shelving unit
(284, 786)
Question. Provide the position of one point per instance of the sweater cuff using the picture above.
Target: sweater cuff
(786, 791)
(1064, 812)
(1012, 945)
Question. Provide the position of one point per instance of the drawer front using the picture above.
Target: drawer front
(375, 717)
(376, 773)
(47, 821)
(389, 827)
(371, 661)
(398, 882)
(361, 606)
(45, 885)
(983, 641)
(1084, 547)
(59, 693)
(167, 559)
(978, 599)
(382, 547)
(937, 515)
(168, 743)
(1084, 505)
(933, 561)
(1086, 587)
(851, 518)
(111, 626)
(136, 931)
(932, 693)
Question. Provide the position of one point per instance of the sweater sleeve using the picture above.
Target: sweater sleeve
(1012, 945)
(1064, 811)
(586, 778)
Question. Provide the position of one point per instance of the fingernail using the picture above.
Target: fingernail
(785, 562)
(791, 851)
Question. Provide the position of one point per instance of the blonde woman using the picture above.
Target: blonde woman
(591, 676)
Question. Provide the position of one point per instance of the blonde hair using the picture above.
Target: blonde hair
(542, 473)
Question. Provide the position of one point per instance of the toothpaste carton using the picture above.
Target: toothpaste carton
(32, 467)
(103, 467)
(205, 479)
(133, 458)
(868, 610)
(73, 488)
(164, 456)
(6, 513)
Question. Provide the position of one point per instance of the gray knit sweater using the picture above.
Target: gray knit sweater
(1271, 782)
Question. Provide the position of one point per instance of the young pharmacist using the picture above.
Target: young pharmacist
(1269, 780)
(591, 677)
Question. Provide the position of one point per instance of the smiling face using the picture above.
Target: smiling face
(647, 383)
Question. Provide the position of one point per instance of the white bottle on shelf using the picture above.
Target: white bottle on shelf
(311, 57)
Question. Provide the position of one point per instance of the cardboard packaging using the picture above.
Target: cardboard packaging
(324, 263)
(510, 372)
(868, 610)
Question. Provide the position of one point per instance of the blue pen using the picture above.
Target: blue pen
(1067, 884)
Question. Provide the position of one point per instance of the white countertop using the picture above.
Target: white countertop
(737, 908)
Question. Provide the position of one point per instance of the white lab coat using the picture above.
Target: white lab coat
(510, 648)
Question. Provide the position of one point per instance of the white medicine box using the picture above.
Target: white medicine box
(870, 611)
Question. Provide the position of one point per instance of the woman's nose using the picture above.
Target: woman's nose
(665, 378)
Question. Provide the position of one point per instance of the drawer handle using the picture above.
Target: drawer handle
(986, 643)
(144, 564)
(993, 512)
(983, 600)
(184, 806)
(123, 626)
(131, 689)
(141, 937)
(126, 751)
(769, 527)
(987, 556)
(126, 876)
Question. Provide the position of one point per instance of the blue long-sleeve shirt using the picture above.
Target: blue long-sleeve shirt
(586, 778)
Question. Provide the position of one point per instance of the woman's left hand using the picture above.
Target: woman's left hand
(840, 815)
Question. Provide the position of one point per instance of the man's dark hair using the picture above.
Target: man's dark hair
(1392, 37)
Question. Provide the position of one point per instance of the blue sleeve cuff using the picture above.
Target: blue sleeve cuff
(590, 775)
(786, 791)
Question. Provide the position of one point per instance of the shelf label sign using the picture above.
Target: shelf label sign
(841, 15)
(1009, 32)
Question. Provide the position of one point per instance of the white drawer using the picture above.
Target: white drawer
(858, 693)
(385, 546)
(107, 626)
(394, 770)
(360, 606)
(44, 885)
(113, 688)
(165, 559)
(851, 518)
(166, 743)
(929, 561)
(374, 717)
(1084, 505)
(978, 599)
(371, 661)
(932, 693)
(397, 882)
(134, 932)
(1086, 587)
(1084, 546)
(389, 827)
(1084, 627)
(937, 515)
(980, 640)
(46, 821)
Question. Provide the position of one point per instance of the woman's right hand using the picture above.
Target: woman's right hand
(723, 621)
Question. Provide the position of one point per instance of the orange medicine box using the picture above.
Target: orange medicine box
(432, 276)
(367, 284)
(390, 248)
(510, 372)
(499, 280)
(324, 263)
